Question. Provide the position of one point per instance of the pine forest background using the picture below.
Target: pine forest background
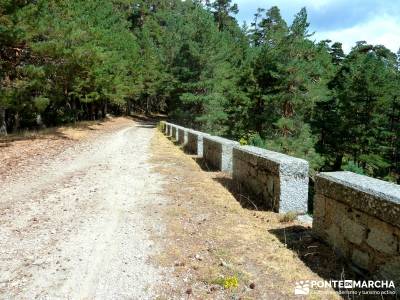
(268, 84)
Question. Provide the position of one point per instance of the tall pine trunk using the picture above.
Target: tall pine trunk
(104, 109)
(3, 127)
(128, 107)
(17, 121)
(74, 110)
(92, 113)
(338, 162)
(147, 105)
(39, 121)
(259, 112)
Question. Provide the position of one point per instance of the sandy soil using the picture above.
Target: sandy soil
(77, 225)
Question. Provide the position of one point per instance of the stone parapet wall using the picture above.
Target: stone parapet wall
(174, 132)
(168, 129)
(359, 217)
(194, 144)
(217, 152)
(163, 125)
(182, 135)
(272, 180)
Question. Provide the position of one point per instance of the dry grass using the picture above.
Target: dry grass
(288, 217)
(211, 241)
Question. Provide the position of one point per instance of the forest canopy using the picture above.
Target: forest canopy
(268, 84)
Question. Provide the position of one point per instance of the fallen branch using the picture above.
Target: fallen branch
(248, 199)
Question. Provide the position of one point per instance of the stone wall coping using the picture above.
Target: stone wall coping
(285, 163)
(375, 187)
(221, 140)
(178, 126)
(271, 155)
(196, 132)
(375, 197)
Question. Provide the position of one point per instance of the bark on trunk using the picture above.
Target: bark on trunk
(74, 110)
(259, 112)
(3, 127)
(17, 121)
(92, 112)
(338, 162)
(39, 121)
(97, 112)
(128, 107)
(104, 109)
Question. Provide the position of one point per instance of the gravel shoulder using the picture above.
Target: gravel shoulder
(78, 227)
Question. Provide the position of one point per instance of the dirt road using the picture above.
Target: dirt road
(115, 210)
(77, 226)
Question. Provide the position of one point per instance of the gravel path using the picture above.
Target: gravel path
(77, 227)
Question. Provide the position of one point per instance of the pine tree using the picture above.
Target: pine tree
(12, 53)
(222, 10)
(358, 128)
(327, 119)
(270, 85)
(289, 71)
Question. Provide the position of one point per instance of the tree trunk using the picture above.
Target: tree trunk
(92, 112)
(104, 109)
(128, 107)
(39, 121)
(74, 110)
(259, 112)
(97, 112)
(338, 162)
(17, 121)
(3, 127)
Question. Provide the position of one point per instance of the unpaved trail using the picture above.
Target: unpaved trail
(78, 228)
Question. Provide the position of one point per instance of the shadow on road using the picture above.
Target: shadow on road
(146, 125)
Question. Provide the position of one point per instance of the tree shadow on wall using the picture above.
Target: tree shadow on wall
(244, 199)
(204, 165)
(189, 152)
